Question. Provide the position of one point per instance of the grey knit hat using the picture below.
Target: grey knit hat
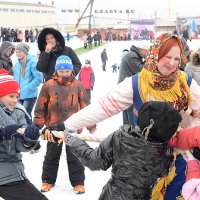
(23, 48)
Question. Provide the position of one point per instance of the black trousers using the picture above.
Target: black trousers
(104, 65)
(88, 91)
(21, 190)
(51, 164)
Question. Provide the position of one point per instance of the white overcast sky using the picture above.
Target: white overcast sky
(141, 7)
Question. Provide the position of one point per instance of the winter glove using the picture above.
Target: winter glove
(48, 135)
(91, 128)
(9, 132)
(69, 139)
(31, 133)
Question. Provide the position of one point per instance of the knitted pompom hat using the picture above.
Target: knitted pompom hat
(8, 84)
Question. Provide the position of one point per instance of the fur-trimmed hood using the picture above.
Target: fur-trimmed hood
(5, 46)
(195, 58)
(57, 35)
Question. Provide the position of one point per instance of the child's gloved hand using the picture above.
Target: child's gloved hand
(49, 136)
(31, 133)
(9, 132)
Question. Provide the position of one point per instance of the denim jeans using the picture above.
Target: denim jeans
(28, 104)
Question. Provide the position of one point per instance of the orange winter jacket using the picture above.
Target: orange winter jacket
(58, 100)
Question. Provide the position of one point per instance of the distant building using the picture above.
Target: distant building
(26, 15)
(165, 25)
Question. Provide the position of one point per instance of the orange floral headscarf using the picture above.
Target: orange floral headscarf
(172, 88)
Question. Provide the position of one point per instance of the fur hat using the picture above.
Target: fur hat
(8, 84)
(42, 41)
(63, 62)
(23, 48)
(5, 46)
(195, 58)
(161, 118)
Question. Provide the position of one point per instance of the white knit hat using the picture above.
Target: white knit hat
(143, 44)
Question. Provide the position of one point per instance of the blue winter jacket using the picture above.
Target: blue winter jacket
(31, 80)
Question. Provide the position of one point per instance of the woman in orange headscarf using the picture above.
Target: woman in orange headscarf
(160, 80)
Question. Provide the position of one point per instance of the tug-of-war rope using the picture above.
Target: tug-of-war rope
(60, 134)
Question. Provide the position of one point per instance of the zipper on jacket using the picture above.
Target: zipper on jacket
(9, 147)
(72, 100)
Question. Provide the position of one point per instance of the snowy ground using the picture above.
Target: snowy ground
(94, 181)
(105, 81)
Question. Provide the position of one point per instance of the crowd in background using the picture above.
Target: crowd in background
(17, 35)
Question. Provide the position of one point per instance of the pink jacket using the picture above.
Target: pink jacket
(186, 138)
(191, 189)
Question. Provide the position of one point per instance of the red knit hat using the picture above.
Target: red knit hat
(8, 84)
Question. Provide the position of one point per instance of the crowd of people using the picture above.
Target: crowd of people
(17, 35)
(158, 89)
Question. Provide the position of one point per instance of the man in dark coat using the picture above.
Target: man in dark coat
(99, 38)
(132, 63)
(104, 59)
(51, 44)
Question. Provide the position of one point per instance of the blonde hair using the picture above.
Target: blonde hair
(24, 61)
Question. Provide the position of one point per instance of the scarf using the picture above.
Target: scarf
(153, 85)
(63, 80)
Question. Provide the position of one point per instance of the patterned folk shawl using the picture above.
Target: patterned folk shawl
(154, 85)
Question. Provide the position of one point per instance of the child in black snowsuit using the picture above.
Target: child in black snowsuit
(114, 68)
(138, 156)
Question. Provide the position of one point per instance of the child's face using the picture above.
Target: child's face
(64, 73)
(9, 52)
(87, 65)
(10, 100)
(20, 55)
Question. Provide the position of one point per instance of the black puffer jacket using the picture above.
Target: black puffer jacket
(47, 61)
(136, 163)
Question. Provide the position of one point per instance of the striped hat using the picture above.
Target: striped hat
(8, 84)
